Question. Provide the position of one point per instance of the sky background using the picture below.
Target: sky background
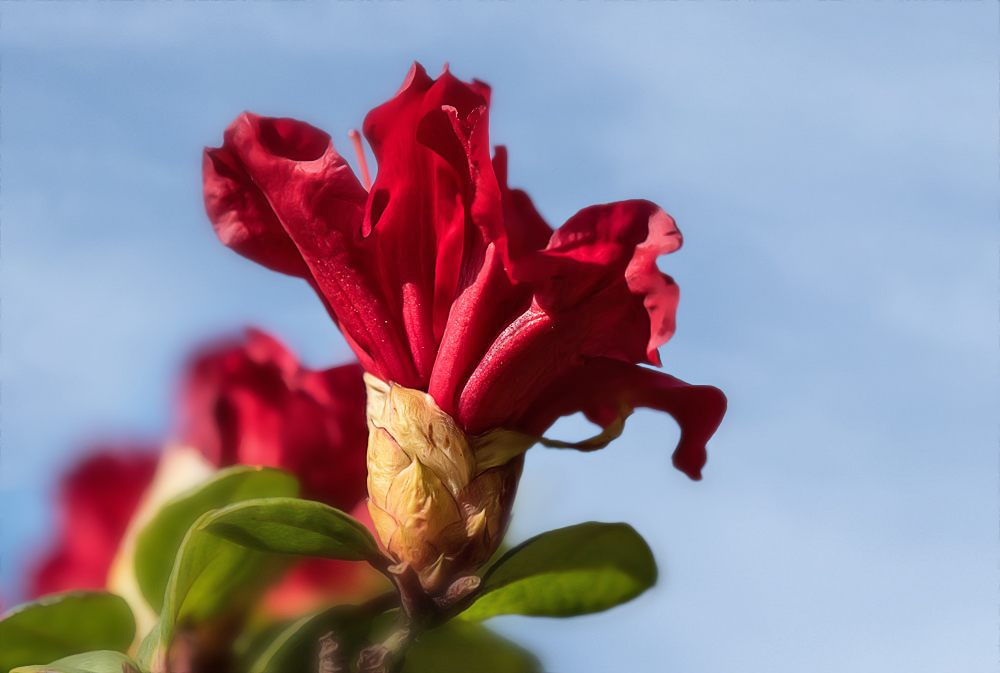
(833, 166)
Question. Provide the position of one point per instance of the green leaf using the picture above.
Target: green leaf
(577, 570)
(64, 624)
(148, 649)
(459, 647)
(208, 571)
(294, 527)
(157, 544)
(103, 661)
(210, 577)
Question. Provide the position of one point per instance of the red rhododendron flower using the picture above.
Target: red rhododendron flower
(252, 403)
(447, 282)
(96, 502)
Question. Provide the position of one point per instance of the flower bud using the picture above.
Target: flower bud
(439, 500)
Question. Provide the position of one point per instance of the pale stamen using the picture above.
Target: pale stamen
(359, 150)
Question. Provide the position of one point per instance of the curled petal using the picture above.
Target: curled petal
(612, 248)
(239, 210)
(597, 294)
(607, 391)
(278, 193)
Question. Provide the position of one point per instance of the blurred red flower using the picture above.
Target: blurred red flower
(252, 403)
(242, 402)
(96, 502)
(445, 280)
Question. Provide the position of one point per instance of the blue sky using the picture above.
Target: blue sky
(833, 166)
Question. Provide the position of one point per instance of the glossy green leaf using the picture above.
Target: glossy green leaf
(576, 570)
(104, 661)
(207, 575)
(460, 647)
(210, 577)
(62, 625)
(294, 527)
(157, 544)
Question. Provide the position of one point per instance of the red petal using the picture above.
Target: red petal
(526, 230)
(597, 293)
(612, 248)
(97, 500)
(278, 193)
(433, 198)
(240, 213)
(478, 315)
(607, 390)
(492, 300)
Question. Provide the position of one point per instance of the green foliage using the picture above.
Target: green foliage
(62, 625)
(461, 647)
(240, 528)
(103, 661)
(294, 527)
(455, 647)
(208, 574)
(158, 543)
(209, 577)
(576, 570)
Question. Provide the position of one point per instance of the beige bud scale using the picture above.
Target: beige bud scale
(440, 500)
